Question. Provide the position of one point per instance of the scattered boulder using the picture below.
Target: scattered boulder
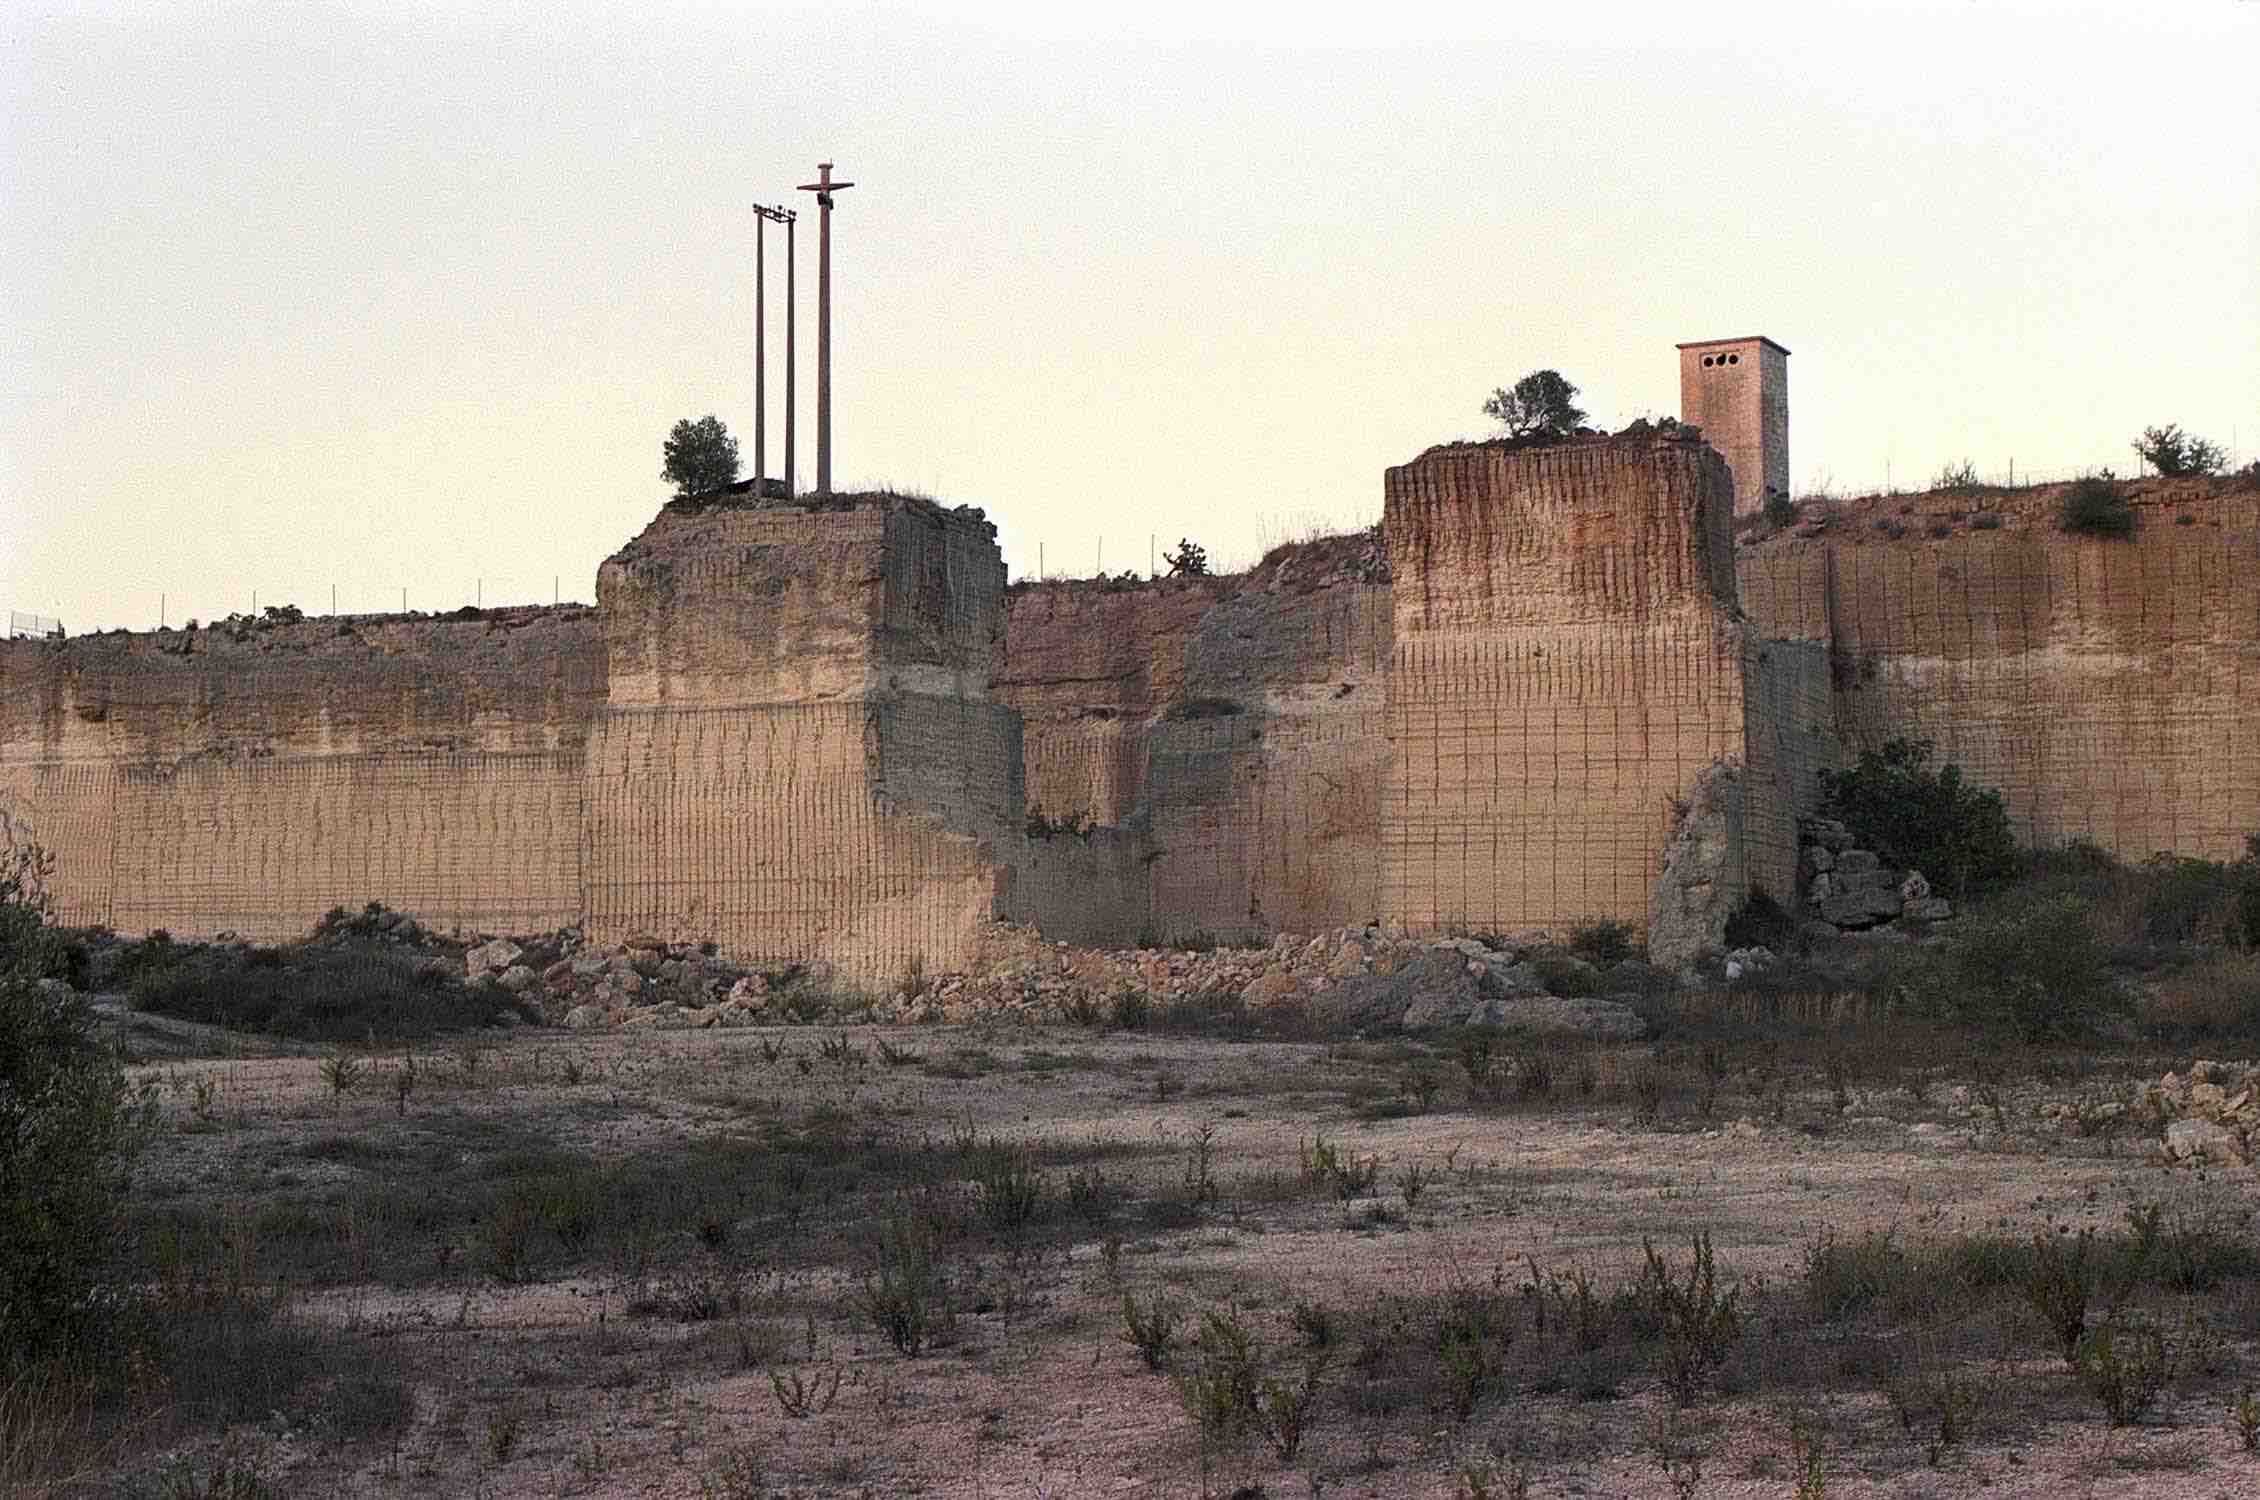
(2204, 1141)
(491, 958)
(1557, 1015)
(1433, 989)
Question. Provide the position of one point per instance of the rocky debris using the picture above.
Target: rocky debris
(1747, 962)
(1851, 890)
(1360, 979)
(378, 921)
(2211, 1113)
(491, 958)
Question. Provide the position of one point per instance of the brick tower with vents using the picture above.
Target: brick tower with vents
(1737, 391)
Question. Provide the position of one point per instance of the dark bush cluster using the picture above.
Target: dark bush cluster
(69, 1132)
(1916, 818)
(349, 992)
(2094, 507)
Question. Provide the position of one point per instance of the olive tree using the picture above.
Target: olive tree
(701, 456)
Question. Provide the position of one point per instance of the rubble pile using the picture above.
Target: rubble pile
(2212, 1113)
(1351, 977)
(1851, 890)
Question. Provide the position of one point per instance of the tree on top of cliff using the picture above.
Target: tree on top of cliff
(701, 456)
(1190, 560)
(2172, 451)
(1542, 404)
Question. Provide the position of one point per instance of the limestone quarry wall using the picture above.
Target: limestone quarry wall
(247, 780)
(2110, 689)
(1235, 723)
(815, 732)
(774, 732)
(1567, 658)
(801, 760)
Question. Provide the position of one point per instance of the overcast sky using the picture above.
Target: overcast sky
(399, 295)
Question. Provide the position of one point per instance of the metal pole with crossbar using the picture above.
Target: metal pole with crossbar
(824, 187)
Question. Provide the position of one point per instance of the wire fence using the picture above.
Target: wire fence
(22, 627)
(1822, 484)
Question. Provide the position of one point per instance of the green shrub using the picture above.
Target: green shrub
(1917, 819)
(1221, 1389)
(1781, 512)
(906, 1294)
(69, 1131)
(1151, 1329)
(2125, 1364)
(2036, 968)
(1699, 1321)
(2094, 507)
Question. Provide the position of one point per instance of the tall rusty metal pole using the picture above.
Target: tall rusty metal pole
(760, 356)
(792, 361)
(824, 187)
(761, 353)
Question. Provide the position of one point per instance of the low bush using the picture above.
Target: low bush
(2035, 968)
(906, 1293)
(346, 993)
(2094, 507)
(1698, 1320)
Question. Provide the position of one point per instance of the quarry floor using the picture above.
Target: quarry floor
(1040, 1394)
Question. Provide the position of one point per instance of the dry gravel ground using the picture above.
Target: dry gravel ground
(640, 1362)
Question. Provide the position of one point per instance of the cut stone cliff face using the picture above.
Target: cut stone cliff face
(1568, 659)
(2107, 688)
(815, 732)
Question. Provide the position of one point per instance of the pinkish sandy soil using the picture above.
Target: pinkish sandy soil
(1047, 1399)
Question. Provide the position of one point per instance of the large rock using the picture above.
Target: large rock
(1268, 989)
(1554, 1015)
(1698, 889)
(2203, 1141)
(517, 979)
(491, 958)
(1866, 902)
(1433, 988)
(585, 1018)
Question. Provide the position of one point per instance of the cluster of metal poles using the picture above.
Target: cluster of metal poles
(824, 187)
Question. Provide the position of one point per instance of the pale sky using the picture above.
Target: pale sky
(401, 295)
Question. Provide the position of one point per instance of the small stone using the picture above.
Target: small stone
(584, 1017)
(517, 979)
(1820, 857)
(1859, 861)
(1914, 887)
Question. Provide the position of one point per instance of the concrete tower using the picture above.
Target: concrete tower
(1737, 391)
